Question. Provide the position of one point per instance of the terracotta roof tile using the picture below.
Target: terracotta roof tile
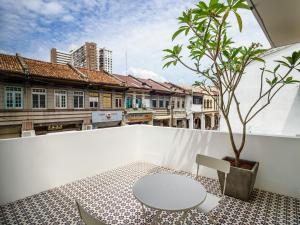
(132, 81)
(10, 63)
(154, 85)
(44, 69)
(175, 88)
(51, 70)
(99, 76)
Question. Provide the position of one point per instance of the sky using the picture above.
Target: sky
(142, 28)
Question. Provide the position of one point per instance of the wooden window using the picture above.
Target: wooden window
(118, 101)
(93, 99)
(78, 99)
(107, 101)
(38, 98)
(13, 97)
(60, 99)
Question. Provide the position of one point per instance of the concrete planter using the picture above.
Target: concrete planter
(240, 182)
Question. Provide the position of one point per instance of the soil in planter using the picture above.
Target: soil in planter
(243, 163)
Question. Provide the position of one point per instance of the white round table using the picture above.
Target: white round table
(170, 193)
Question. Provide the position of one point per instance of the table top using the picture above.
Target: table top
(169, 192)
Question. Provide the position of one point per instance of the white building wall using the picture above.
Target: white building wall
(31, 165)
(282, 115)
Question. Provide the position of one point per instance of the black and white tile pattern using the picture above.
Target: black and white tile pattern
(108, 196)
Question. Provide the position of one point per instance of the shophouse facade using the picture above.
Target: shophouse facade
(160, 98)
(178, 105)
(39, 97)
(137, 108)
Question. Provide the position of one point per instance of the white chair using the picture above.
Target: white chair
(86, 217)
(212, 201)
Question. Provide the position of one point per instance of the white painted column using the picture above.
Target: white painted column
(202, 121)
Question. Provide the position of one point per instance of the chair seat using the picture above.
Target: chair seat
(211, 201)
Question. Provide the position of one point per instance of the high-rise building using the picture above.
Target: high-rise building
(60, 57)
(86, 56)
(105, 60)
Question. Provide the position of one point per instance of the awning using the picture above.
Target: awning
(280, 20)
(162, 117)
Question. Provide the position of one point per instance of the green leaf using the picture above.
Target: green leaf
(239, 20)
(167, 64)
(276, 68)
(241, 6)
(168, 50)
(283, 63)
(177, 33)
(259, 59)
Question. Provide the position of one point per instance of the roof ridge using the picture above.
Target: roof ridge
(139, 80)
(117, 78)
(22, 63)
(84, 76)
(159, 84)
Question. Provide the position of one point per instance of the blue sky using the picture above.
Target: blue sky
(141, 27)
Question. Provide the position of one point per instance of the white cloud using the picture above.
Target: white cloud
(146, 74)
(142, 28)
(67, 18)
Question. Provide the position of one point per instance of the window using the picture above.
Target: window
(118, 102)
(161, 103)
(167, 103)
(197, 100)
(60, 99)
(13, 97)
(78, 99)
(138, 101)
(154, 103)
(93, 99)
(178, 103)
(182, 104)
(129, 102)
(107, 102)
(38, 98)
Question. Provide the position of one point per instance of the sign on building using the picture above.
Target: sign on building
(106, 116)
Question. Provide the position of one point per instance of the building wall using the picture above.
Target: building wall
(52, 160)
(282, 115)
(50, 114)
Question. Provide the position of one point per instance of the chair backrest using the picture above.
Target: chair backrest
(86, 217)
(217, 164)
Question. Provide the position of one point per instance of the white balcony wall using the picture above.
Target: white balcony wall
(177, 148)
(281, 117)
(31, 165)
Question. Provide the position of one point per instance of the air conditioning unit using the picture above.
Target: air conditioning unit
(89, 127)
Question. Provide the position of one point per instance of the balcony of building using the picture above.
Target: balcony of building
(40, 177)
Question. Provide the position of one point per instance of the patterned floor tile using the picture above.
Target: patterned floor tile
(108, 196)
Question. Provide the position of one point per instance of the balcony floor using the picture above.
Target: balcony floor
(108, 196)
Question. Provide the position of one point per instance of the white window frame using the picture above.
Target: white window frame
(118, 102)
(39, 93)
(92, 99)
(60, 94)
(13, 96)
(79, 94)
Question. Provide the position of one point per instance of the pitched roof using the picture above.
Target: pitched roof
(175, 88)
(10, 63)
(132, 82)
(155, 85)
(42, 69)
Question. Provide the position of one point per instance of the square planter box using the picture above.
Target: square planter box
(240, 182)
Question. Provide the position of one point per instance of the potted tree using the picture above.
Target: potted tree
(206, 28)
